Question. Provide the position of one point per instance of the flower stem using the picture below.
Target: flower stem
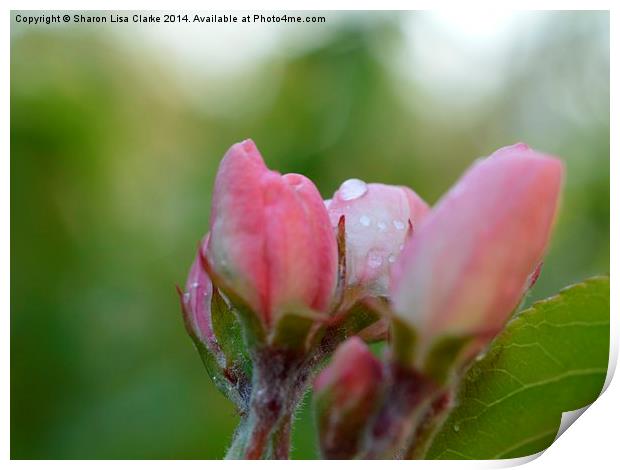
(236, 450)
(257, 441)
(432, 422)
(403, 406)
(280, 377)
(281, 440)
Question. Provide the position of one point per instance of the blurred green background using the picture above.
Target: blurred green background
(116, 134)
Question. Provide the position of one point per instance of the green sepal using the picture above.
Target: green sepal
(254, 331)
(212, 357)
(228, 334)
(251, 324)
(404, 342)
(293, 329)
(220, 377)
(443, 357)
(361, 316)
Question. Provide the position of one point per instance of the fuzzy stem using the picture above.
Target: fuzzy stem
(403, 406)
(431, 423)
(279, 379)
(281, 439)
(236, 450)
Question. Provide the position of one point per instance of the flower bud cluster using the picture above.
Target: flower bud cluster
(283, 278)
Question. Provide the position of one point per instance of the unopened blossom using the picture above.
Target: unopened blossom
(469, 262)
(196, 304)
(378, 219)
(345, 393)
(271, 240)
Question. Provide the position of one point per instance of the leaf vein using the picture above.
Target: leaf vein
(539, 346)
(525, 441)
(525, 387)
(509, 374)
(567, 324)
(448, 449)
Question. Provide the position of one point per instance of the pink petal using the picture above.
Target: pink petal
(197, 302)
(322, 242)
(236, 246)
(289, 257)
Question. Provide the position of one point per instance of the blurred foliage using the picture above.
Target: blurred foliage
(112, 164)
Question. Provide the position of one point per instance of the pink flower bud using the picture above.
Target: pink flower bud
(345, 394)
(213, 328)
(196, 303)
(468, 263)
(351, 372)
(271, 240)
(377, 222)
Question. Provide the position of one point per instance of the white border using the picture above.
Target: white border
(591, 442)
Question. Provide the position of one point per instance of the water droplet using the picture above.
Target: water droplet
(399, 224)
(352, 189)
(194, 285)
(401, 247)
(382, 226)
(374, 259)
(456, 428)
(365, 220)
(185, 296)
(391, 258)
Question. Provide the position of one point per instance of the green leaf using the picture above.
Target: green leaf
(551, 358)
